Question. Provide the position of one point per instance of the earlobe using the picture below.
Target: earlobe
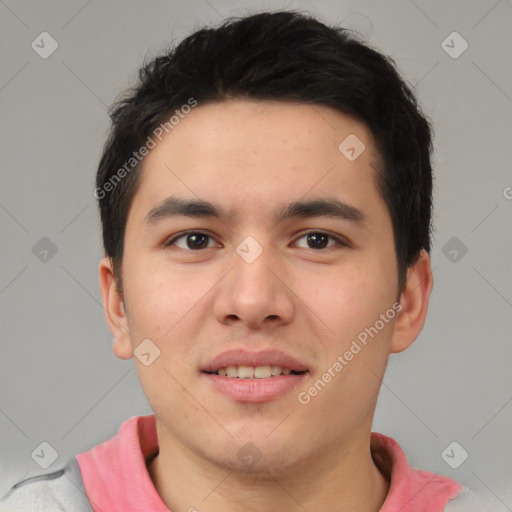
(115, 312)
(414, 301)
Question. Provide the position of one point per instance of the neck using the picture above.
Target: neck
(344, 478)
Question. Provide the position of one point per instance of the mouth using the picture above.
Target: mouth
(245, 376)
(254, 372)
(244, 364)
(254, 389)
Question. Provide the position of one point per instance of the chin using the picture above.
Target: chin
(249, 463)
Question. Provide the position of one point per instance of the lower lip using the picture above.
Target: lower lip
(254, 390)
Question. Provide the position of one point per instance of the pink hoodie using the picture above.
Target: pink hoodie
(116, 478)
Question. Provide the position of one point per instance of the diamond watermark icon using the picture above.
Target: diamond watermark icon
(249, 455)
(351, 147)
(249, 249)
(454, 455)
(44, 455)
(44, 45)
(454, 45)
(146, 352)
(44, 250)
(454, 249)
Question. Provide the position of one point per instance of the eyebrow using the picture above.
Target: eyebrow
(321, 207)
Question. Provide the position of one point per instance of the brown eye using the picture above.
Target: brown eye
(194, 240)
(319, 240)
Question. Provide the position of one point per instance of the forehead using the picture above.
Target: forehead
(246, 155)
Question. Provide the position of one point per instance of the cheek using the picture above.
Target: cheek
(341, 297)
(158, 298)
(343, 304)
(170, 306)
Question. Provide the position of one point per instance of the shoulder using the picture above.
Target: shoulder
(57, 490)
(469, 501)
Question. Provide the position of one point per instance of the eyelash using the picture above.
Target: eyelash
(339, 242)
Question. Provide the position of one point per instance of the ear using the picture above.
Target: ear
(414, 300)
(115, 312)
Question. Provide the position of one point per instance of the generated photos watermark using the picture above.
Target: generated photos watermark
(137, 156)
(304, 397)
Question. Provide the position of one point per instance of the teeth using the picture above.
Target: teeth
(251, 372)
(232, 371)
(262, 372)
(245, 372)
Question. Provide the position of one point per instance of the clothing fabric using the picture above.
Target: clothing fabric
(58, 491)
(113, 477)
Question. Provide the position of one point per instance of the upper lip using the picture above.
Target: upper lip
(244, 357)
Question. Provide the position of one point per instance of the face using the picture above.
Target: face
(305, 284)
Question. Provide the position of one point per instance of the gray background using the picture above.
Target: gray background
(59, 380)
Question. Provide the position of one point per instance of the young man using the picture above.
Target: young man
(265, 197)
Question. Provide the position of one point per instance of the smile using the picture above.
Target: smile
(254, 372)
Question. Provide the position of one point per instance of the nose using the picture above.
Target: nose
(254, 295)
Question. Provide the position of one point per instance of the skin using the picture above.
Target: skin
(251, 157)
